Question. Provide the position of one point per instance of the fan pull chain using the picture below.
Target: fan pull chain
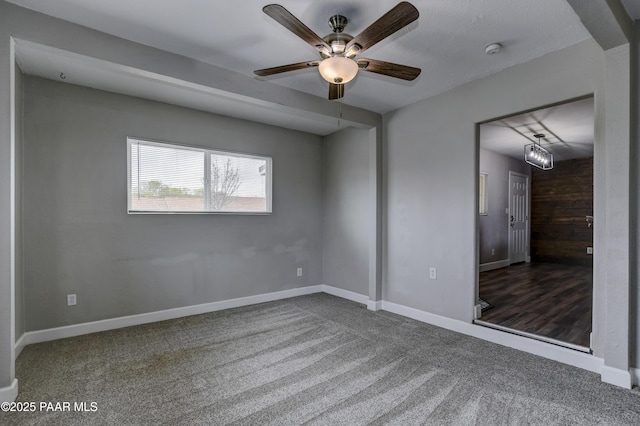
(339, 111)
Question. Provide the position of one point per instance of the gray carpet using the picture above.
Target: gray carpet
(316, 360)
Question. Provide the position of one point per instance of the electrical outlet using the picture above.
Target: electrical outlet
(493, 252)
(71, 299)
(589, 250)
(299, 272)
(432, 273)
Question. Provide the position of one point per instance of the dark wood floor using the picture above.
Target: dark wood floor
(546, 299)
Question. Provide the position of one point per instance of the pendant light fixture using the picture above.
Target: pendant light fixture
(538, 156)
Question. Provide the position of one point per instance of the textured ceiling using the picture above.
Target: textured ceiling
(447, 41)
(568, 130)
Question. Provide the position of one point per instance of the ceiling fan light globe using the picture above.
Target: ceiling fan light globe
(338, 69)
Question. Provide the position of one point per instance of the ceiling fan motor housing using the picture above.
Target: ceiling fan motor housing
(337, 39)
(338, 43)
(337, 23)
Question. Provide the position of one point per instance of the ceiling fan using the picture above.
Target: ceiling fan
(339, 49)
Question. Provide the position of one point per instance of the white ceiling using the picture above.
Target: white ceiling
(633, 8)
(447, 41)
(568, 130)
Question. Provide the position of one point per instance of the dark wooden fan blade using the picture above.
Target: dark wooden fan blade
(395, 19)
(293, 24)
(404, 72)
(285, 68)
(336, 91)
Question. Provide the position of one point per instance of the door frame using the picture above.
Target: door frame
(527, 225)
(596, 327)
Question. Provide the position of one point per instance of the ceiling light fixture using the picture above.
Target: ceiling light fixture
(537, 156)
(338, 69)
(339, 49)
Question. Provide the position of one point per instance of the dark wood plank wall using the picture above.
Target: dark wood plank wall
(561, 199)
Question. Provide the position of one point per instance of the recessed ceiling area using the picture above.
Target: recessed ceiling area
(568, 130)
(67, 67)
(447, 41)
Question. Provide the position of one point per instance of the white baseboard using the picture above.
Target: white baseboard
(353, 296)
(46, 335)
(494, 265)
(545, 350)
(374, 305)
(49, 334)
(616, 376)
(345, 294)
(477, 311)
(9, 393)
(567, 356)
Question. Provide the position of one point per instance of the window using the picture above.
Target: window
(482, 196)
(166, 178)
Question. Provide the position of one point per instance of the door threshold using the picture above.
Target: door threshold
(534, 336)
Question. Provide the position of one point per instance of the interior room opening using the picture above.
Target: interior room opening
(535, 239)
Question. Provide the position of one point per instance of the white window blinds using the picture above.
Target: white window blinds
(177, 179)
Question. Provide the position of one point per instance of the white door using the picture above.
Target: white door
(518, 217)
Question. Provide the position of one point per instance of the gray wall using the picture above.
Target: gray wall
(612, 241)
(346, 204)
(494, 227)
(431, 170)
(19, 303)
(80, 239)
(24, 24)
(7, 326)
(427, 145)
(635, 185)
(431, 175)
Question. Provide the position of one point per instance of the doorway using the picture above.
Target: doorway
(518, 217)
(536, 225)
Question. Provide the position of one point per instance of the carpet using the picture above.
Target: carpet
(314, 360)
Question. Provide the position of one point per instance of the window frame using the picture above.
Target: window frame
(131, 140)
(482, 194)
